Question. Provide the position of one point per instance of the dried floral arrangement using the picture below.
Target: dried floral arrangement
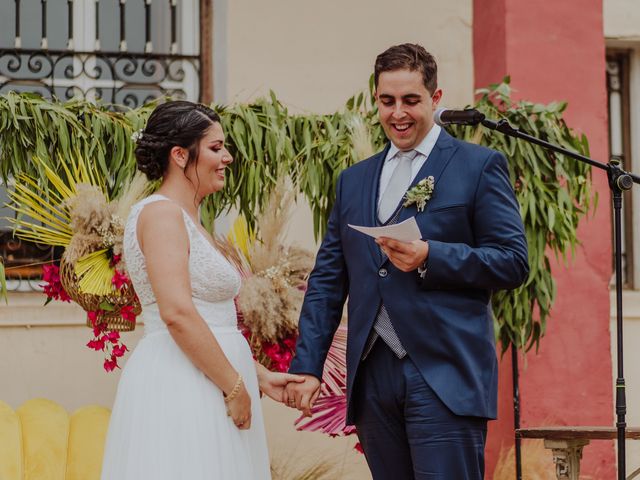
(271, 295)
(269, 306)
(74, 212)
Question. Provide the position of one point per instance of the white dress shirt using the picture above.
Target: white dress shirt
(391, 161)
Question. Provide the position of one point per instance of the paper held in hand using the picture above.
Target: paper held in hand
(406, 231)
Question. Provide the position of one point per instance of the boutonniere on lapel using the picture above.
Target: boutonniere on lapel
(420, 194)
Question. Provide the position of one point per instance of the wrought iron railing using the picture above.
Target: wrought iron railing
(129, 75)
(129, 79)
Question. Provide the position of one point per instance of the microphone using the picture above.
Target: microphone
(443, 116)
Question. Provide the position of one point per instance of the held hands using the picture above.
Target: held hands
(302, 395)
(406, 256)
(273, 384)
(296, 391)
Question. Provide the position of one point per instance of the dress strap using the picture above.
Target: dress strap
(157, 197)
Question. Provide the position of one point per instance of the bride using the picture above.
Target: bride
(188, 401)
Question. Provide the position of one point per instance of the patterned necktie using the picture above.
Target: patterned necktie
(400, 181)
(398, 185)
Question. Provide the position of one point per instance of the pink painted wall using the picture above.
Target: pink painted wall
(555, 51)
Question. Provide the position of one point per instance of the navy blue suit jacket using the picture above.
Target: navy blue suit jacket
(444, 320)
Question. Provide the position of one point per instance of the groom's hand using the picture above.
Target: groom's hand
(406, 256)
(302, 395)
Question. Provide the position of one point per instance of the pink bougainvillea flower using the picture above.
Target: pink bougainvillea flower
(126, 313)
(93, 317)
(106, 340)
(290, 342)
(110, 364)
(115, 259)
(119, 279)
(96, 344)
(53, 288)
(270, 349)
(112, 336)
(118, 350)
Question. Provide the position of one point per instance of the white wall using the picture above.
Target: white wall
(315, 55)
(621, 19)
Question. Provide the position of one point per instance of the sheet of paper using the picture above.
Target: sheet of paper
(406, 231)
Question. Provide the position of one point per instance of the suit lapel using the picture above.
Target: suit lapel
(370, 199)
(434, 166)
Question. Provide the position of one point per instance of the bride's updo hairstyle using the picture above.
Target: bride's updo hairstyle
(177, 123)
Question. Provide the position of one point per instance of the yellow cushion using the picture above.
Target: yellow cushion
(45, 433)
(87, 435)
(10, 444)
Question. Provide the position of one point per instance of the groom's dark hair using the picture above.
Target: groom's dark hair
(408, 56)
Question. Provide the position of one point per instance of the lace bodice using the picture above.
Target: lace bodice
(214, 281)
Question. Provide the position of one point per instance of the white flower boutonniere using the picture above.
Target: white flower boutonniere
(420, 193)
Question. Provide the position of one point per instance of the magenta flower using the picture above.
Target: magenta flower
(96, 344)
(106, 340)
(53, 288)
(112, 336)
(115, 260)
(126, 312)
(118, 350)
(110, 364)
(119, 279)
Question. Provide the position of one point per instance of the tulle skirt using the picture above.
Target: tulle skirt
(169, 422)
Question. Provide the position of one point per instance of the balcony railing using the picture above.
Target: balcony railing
(124, 55)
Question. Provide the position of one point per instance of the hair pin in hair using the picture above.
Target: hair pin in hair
(136, 136)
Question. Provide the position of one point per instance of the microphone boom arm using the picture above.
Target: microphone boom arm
(504, 127)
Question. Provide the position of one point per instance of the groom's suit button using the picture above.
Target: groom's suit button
(382, 272)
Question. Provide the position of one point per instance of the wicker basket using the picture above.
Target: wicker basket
(89, 302)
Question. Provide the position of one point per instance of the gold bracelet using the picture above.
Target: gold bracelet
(234, 391)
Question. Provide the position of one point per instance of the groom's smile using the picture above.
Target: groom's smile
(405, 107)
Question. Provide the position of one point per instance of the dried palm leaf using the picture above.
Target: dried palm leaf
(47, 205)
(94, 273)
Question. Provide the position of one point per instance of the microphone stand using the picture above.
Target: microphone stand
(619, 181)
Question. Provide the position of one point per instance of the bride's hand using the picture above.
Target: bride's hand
(239, 409)
(273, 384)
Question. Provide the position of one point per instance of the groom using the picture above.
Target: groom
(421, 362)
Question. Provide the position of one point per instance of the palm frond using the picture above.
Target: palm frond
(47, 204)
(329, 414)
(334, 376)
(241, 235)
(95, 273)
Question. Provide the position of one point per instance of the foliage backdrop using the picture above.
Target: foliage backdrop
(268, 142)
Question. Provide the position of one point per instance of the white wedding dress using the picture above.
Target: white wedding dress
(169, 421)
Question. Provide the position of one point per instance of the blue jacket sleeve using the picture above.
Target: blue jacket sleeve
(324, 299)
(498, 259)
